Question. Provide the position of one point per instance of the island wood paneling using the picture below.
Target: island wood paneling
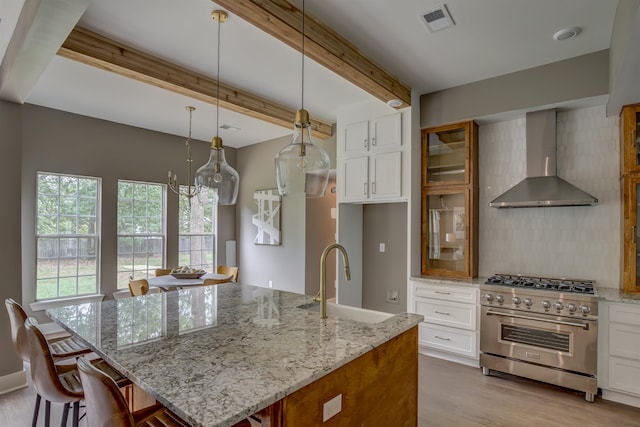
(380, 388)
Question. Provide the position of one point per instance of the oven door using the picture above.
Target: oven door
(544, 339)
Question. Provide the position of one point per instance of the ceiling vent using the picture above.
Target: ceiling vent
(437, 19)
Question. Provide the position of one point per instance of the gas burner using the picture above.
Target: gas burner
(559, 285)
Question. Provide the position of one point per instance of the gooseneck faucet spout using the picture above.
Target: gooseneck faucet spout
(323, 274)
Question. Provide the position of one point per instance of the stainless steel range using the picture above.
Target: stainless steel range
(540, 328)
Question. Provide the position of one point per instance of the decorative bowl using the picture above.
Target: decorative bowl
(188, 275)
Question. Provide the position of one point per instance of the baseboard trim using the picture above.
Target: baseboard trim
(14, 381)
(618, 397)
(475, 363)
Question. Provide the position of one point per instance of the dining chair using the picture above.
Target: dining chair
(59, 383)
(229, 271)
(163, 271)
(138, 287)
(107, 407)
(60, 348)
(209, 282)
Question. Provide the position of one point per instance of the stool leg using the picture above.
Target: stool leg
(76, 413)
(36, 409)
(47, 413)
(65, 414)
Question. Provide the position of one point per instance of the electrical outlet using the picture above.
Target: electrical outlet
(392, 296)
(271, 283)
(382, 247)
(331, 408)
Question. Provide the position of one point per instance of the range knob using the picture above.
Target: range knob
(558, 306)
(528, 302)
(488, 297)
(516, 300)
(585, 309)
(572, 307)
(500, 298)
(546, 304)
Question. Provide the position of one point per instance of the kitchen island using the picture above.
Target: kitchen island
(217, 354)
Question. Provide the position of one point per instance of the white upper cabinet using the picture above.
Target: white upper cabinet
(370, 160)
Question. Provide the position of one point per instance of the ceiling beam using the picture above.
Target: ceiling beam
(96, 50)
(282, 20)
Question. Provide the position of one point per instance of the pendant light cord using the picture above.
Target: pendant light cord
(302, 101)
(218, 82)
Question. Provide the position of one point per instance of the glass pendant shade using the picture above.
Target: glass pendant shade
(217, 174)
(302, 168)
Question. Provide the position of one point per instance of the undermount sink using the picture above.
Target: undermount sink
(351, 313)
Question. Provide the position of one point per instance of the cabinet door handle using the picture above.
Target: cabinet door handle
(443, 339)
(365, 188)
(443, 292)
(365, 142)
(373, 187)
(633, 234)
(373, 141)
(444, 313)
(633, 138)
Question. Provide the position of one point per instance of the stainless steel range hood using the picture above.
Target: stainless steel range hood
(541, 187)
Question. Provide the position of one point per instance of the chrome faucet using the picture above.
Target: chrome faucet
(323, 275)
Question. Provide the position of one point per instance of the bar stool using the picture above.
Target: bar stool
(61, 348)
(59, 383)
(107, 407)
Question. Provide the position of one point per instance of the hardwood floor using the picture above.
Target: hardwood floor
(450, 395)
(455, 395)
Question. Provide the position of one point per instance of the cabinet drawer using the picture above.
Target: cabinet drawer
(446, 313)
(624, 375)
(624, 313)
(452, 340)
(624, 340)
(449, 293)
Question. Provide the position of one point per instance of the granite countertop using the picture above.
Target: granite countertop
(216, 354)
(616, 295)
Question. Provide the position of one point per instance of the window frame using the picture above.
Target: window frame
(58, 236)
(150, 270)
(189, 235)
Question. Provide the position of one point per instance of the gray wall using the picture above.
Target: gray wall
(284, 265)
(575, 78)
(320, 231)
(55, 141)
(384, 271)
(10, 153)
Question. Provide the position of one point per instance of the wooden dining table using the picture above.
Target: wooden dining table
(168, 282)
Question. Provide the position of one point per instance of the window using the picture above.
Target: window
(197, 230)
(141, 231)
(67, 238)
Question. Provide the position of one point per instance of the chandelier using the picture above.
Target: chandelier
(302, 167)
(191, 189)
(217, 174)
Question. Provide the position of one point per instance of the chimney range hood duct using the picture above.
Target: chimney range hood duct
(541, 187)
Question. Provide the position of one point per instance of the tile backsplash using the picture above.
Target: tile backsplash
(581, 242)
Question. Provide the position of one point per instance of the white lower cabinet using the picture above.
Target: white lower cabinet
(451, 319)
(619, 343)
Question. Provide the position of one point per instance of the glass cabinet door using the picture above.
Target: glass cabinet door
(446, 156)
(630, 138)
(445, 246)
(631, 235)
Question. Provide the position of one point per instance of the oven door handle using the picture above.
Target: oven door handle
(584, 326)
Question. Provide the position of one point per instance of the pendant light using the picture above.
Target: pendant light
(216, 173)
(191, 189)
(302, 168)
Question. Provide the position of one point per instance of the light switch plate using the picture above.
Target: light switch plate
(382, 247)
(331, 408)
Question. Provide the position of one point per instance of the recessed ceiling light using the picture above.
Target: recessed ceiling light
(566, 33)
(394, 103)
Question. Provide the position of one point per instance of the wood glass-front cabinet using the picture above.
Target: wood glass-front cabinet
(630, 165)
(449, 235)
